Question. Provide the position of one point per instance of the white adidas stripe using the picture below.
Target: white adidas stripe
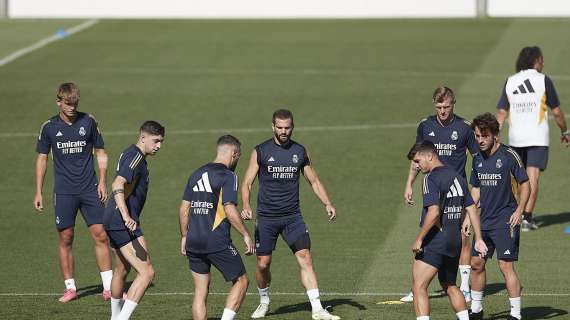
(203, 184)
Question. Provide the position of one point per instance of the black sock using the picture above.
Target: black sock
(527, 216)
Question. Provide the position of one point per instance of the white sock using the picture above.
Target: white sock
(476, 301)
(70, 284)
(228, 314)
(106, 277)
(422, 318)
(314, 299)
(516, 307)
(263, 295)
(128, 309)
(465, 272)
(116, 305)
(463, 315)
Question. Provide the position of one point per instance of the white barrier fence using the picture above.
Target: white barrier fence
(168, 9)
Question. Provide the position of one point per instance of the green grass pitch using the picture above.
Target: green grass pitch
(356, 87)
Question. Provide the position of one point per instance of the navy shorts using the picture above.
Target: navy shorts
(227, 261)
(533, 156)
(267, 230)
(119, 238)
(66, 206)
(505, 241)
(446, 266)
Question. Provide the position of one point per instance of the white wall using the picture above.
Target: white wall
(240, 8)
(528, 8)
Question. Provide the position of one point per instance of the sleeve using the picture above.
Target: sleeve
(187, 195)
(44, 142)
(551, 95)
(517, 169)
(472, 143)
(230, 187)
(127, 166)
(503, 100)
(96, 136)
(431, 192)
(468, 199)
(474, 180)
(419, 132)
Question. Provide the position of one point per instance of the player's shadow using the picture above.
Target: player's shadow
(97, 289)
(532, 313)
(552, 219)
(493, 288)
(305, 306)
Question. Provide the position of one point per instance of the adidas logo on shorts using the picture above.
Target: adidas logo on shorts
(507, 252)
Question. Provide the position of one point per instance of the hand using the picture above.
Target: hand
(249, 245)
(409, 196)
(130, 223)
(481, 248)
(331, 212)
(417, 246)
(246, 213)
(39, 202)
(466, 227)
(515, 219)
(102, 191)
(565, 139)
(183, 246)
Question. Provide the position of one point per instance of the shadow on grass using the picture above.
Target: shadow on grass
(553, 219)
(532, 313)
(305, 306)
(97, 289)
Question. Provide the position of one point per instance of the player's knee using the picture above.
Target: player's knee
(66, 239)
(121, 271)
(506, 267)
(263, 263)
(242, 281)
(477, 265)
(148, 273)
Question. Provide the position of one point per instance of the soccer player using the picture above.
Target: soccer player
(207, 211)
(279, 163)
(122, 220)
(525, 99)
(497, 170)
(73, 137)
(453, 137)
(438, 244)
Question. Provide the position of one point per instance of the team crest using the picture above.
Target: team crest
(81, 131)
(295, 158)
(454, 135)
(499, 163)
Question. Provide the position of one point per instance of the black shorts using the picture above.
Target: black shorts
(505, 241)
(267, 230)
(446, 266)
(119, 238)
(227, 261)
(66, 206)
(533, 156)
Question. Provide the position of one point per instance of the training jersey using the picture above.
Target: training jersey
(528, 95)
(207, 190)
(280, 167)
(444, 187)
(133, 167)
(72, 151)
(497, 176)
(452, 141)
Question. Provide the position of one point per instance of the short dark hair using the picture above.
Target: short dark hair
(486, 122)
(527, 58)
(422, 147)
(152, 127)
(228, 139)
(442, 93)
(282, 114)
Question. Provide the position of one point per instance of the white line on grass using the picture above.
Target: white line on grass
(344, 294)
(44, 42)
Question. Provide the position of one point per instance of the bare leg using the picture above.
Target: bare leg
(201, 286)
(237, 293)
(533, 177)
(262, 272)
(65, 245)
(122, 268)
(478, 274)
(102, 252)
(511, 279)
(422, 274)
(308, 276)
(136, 254)
(455, 297)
